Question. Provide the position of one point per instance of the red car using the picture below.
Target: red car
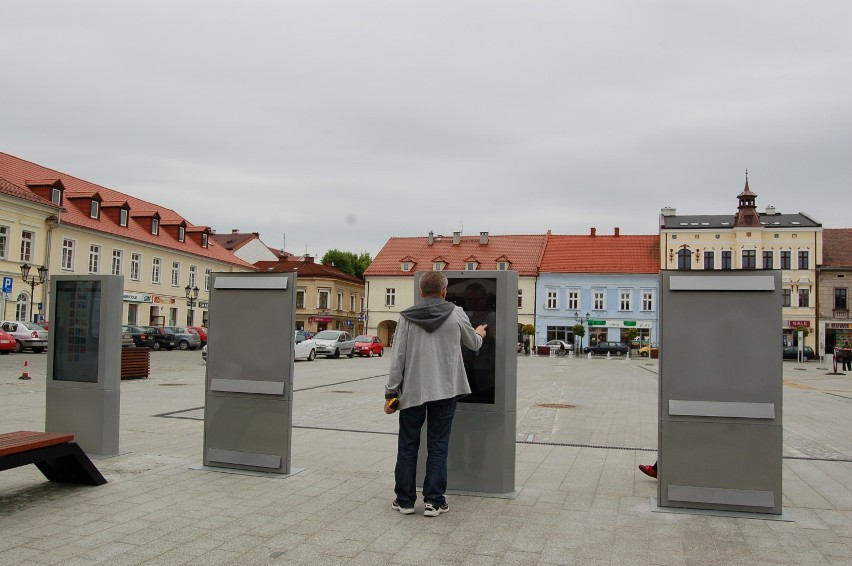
(7, 342)
(202, 333)
(366, 345)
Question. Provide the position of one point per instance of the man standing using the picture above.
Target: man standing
(426, 378)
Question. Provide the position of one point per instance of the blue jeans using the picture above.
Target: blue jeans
(439, 420)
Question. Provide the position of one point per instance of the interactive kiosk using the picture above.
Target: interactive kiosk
(249, 387)
(84, 360)
(720, 427)
(481, 457)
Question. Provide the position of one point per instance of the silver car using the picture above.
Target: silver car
(27, 335)
(185, 339)
(332, 343)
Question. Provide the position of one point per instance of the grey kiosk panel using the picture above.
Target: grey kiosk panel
(84, 360)
(481, 456)
(249, 387)
(720, 412)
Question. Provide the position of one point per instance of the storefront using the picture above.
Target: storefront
(835, 334)
(795, 329)
(620, 330)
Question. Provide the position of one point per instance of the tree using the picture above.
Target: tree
(348, 262)
(631, 333)
(579, 331)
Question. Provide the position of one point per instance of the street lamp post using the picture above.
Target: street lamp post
(32, 282)
(191, 296)
(582, 320)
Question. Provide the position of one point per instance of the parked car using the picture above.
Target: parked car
(792, 353)
(305, 349)
(27, 335)
(127, 339)
(332, 343)
(185, 338)
(367, 345)
(7, 343)
(164, 339)
(204, 352)
(202, 333)
(141, 337)
(604, 348)
(645, 351)
(562, 345)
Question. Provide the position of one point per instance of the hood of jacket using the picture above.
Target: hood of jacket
(429, 314)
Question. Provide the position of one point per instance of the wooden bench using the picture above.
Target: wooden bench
(58, 457)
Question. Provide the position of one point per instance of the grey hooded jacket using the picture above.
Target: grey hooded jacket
(426, 360)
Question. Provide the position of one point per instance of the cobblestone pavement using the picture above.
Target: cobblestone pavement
(583, 426)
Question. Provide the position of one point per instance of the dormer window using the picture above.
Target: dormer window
(405, 266)
(470, 266)
(155, 226)
(438, 266)
(204, 240)
(94, 209)
(502, 265)
(56, 196)
(123, 216)
(181, 233)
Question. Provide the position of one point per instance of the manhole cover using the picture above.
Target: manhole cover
(556, 406)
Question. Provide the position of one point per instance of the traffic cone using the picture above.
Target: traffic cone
(25, 375)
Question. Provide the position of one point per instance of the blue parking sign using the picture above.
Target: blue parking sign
(7, 284)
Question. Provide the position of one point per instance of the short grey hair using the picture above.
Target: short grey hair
(432, 283)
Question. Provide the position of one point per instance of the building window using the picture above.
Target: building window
(56, 196)
(437, 265)
(598, 299)
(156, 269)
(785, 259)
(173, 316)
(117, 256)
(840, 298)
(94, 209)
(155, 226)
(709, 261)
(573, 299)
(520, 298)
(804, 297)
(390, 297)
(768, 260)
(27, 238)
(181, 233)
(803, 260)
(204, 239)
(4, 241)
(300, 298)
(351, 302)
(135, 266)
(175, 281)
(502, 265)
(624, 299)
(405, 266)
(684, 259)
(786, 297)
(563, 333)
(323, 298)
(193, 275)
(551, 303)
(94, 258)
(726, 260)
(122, 217)
(339, 301)
(647, 301)
(470, 266)
(207, 276)
(749, 259)
(67, 262)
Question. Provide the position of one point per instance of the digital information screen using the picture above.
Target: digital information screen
(76, 330)
(478, 298)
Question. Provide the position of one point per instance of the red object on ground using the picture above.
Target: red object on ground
(648, 470)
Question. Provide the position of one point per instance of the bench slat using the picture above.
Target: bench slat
(23, 440)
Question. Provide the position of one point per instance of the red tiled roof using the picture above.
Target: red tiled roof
(19, 172)
(306, 269)
(522, 251)
(8, 188)
(837, 247)
(601, 254)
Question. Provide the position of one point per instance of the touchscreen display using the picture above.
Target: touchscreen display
(478, 298)
(76, 331)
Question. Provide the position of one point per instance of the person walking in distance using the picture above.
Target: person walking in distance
(847, 357)
(426, 378)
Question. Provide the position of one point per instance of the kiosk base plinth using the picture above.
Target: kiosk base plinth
(784, 516)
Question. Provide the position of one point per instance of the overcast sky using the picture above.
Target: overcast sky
(343, 123)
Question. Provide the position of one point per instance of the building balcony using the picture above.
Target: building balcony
(840, 313)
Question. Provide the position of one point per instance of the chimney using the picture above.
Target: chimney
(235, 230)
(668, 211)
(483, 238)
(593, 232)
(309, 259)
(770, 209)
(617, 231)
(431, 238)
(456, 238)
